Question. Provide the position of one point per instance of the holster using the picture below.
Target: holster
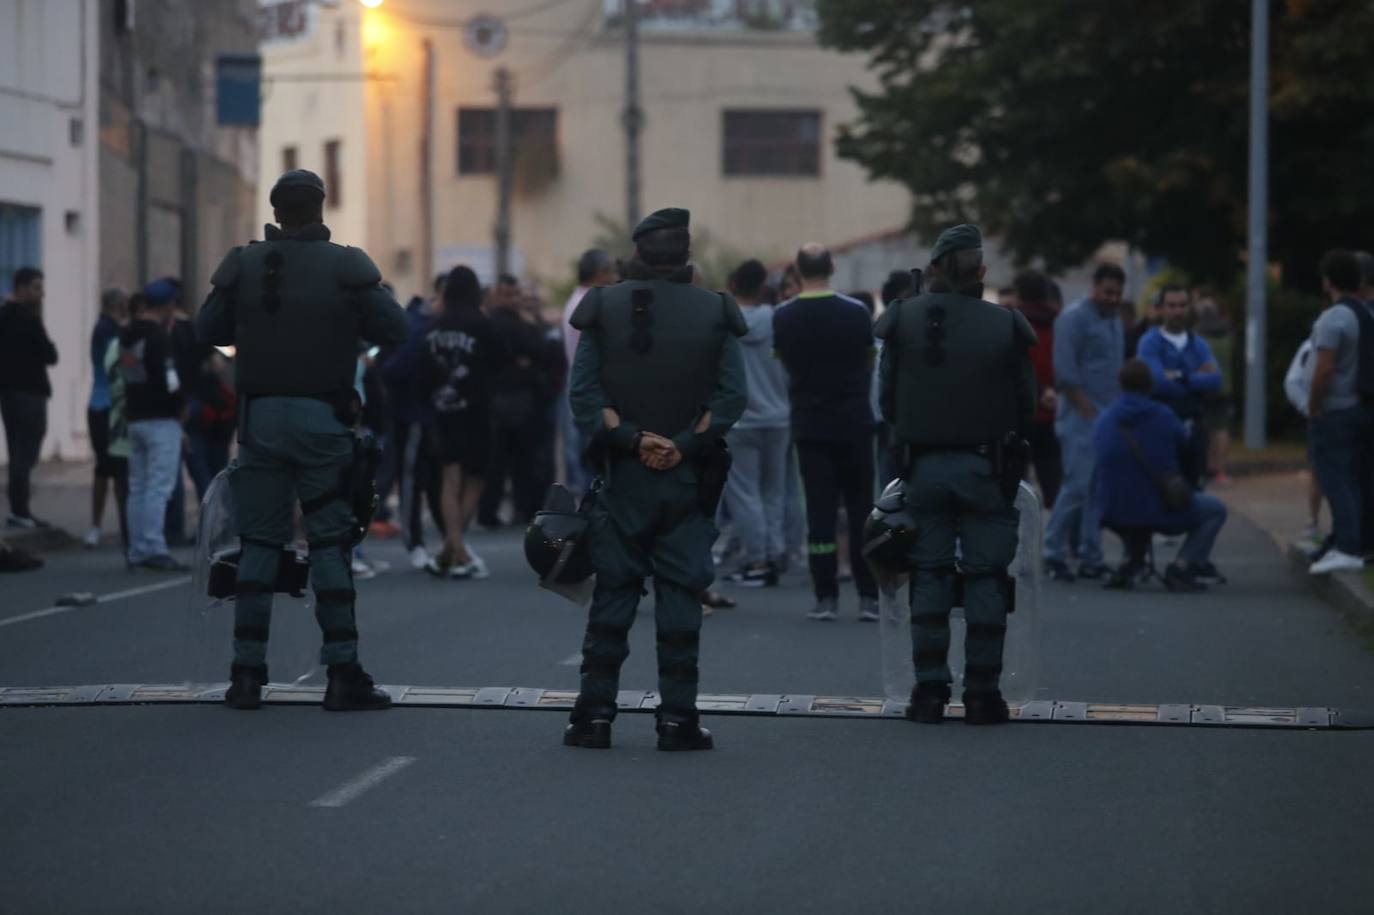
(713, 468)
(362, 483)
(1010, 461)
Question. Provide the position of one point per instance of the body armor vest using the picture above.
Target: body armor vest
(660, 344)
(958, 360)
(297, 326)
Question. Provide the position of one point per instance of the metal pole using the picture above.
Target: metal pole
(1256, 291)
(633, 117)
(501, 232)
(426, 174)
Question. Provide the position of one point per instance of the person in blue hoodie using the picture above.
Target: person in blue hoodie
(1184, 370)
(1139, 442)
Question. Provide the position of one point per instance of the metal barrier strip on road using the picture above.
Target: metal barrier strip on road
(775, 705)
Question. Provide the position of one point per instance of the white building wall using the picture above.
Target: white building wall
(313, 93)
(48, 104)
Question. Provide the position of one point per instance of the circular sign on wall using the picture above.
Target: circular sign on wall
(485, 35)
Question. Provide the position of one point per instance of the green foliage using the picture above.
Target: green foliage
(1290, 316)
(1060, 124)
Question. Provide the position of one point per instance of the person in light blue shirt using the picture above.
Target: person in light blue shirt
(1184, 372)
(756, 490)
(1089, 348)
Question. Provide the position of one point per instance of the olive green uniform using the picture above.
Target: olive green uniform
(955, 378)
(659, 351)
(295, 307)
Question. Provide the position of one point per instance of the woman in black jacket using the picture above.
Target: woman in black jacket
(461, 355)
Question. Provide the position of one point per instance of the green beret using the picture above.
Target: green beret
(298, 177)
(956, 238)
(671, 218)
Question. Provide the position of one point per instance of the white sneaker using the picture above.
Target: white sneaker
(92, 538)
(1336, 561)
(419, 558)
(361, 570)
(20, 522)
(477, 566)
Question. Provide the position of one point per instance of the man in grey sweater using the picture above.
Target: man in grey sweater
(755, 491)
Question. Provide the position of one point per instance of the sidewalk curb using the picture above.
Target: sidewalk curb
(1342, 590)
(1259, 468)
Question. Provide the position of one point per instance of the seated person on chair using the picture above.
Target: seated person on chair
(1140, 444)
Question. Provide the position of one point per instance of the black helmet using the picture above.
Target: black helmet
(556, 544)
(890, 531)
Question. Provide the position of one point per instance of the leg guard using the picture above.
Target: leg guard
(257, 577)
(932, 596)
(605, 647)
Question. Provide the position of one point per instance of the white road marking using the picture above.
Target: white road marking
(100, 599)
(572, 660)
(371, 778)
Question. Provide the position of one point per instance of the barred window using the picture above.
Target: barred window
(477, 135)
(771, 142)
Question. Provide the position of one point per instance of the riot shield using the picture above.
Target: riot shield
(1021, 653)
(293, 646)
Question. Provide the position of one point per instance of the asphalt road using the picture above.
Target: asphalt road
(177, 809)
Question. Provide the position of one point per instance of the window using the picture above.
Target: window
(529, 127)
(333, 179)
(289, 159)
(779, 143)
(20, 236)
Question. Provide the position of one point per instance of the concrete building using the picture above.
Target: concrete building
(395, 107)
(112, 168)
(49, 185)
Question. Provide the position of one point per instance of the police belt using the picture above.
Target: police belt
(345, 404)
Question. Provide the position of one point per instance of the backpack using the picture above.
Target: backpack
(1364, 375)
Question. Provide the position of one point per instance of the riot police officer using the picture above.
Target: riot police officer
(295, 306)
(657, 381)
(958, 389)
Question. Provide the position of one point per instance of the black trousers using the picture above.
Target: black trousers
(522, 452)
(831, 472)
(419, 479)
(1047, 460)
(25, 415)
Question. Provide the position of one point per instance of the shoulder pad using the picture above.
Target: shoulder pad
(226, 275)
(357, 269)
(1025, 334)
(734, 318)
(587, 314)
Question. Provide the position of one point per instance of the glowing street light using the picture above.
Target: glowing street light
(371, 4)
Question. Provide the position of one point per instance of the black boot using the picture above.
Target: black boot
(589, 734)
(676, 734)
(245, 686)
(985, 708)
(928, 701)
(1123, 578)
(352, 690)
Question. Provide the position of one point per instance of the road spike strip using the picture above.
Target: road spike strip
(504, 697)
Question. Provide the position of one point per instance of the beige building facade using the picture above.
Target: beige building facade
(395, 106)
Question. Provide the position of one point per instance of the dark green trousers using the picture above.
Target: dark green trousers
(293, 449)
(956, 499)
(646, 523)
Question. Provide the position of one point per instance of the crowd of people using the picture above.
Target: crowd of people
(1130, 428)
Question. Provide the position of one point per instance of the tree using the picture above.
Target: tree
(1061, 124)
